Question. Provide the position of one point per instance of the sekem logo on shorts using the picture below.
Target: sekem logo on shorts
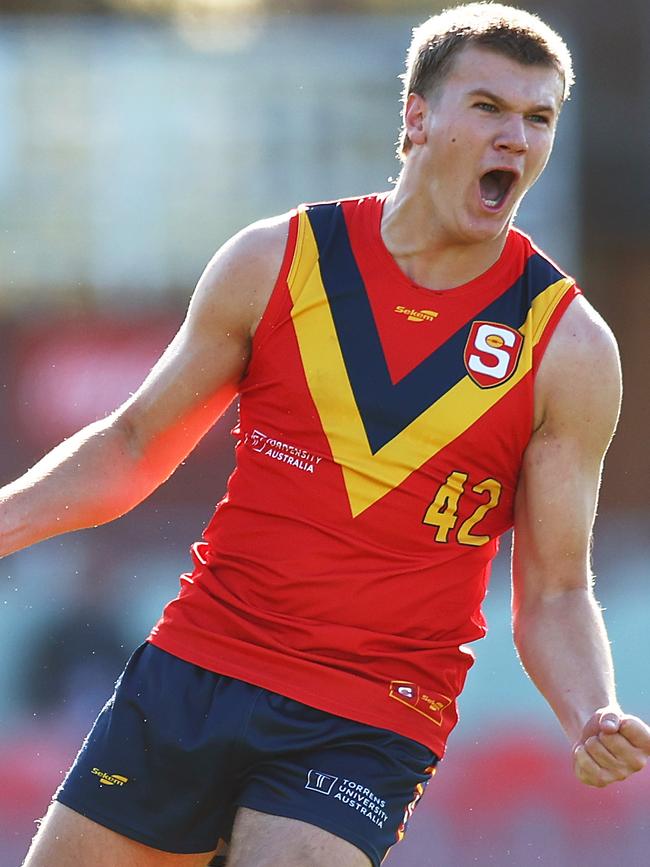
(317, 781)
(110, 779)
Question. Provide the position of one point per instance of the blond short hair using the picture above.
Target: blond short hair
(519, 35)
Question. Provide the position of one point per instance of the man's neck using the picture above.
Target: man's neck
(424, 250)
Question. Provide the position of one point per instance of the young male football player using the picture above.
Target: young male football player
(415, 377)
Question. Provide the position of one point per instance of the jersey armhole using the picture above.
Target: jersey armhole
(540, 347)
(279, 299)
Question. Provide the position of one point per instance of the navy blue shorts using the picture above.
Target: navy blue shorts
(177, 749)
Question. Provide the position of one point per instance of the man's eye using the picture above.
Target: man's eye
(539, 118)
(485, 106)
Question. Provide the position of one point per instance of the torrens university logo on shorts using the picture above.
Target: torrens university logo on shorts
(286, 453)
(318, 782)
(492, 352)
(429, 704)
(354, 795)
(109, 779)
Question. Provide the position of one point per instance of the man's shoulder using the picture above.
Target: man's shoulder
(584, 335)
(580, 375)
(253, 256)
(240, 277)
(263, 236)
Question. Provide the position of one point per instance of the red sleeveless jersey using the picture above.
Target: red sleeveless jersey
(382, 429)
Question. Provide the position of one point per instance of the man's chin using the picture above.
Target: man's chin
(487, 231)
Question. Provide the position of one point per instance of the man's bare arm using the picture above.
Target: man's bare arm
(113, 464)
(558, 625)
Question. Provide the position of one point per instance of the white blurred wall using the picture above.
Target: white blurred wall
(129, 151)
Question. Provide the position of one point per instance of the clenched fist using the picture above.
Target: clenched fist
(612, 746)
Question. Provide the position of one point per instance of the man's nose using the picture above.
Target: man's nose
(512, 135)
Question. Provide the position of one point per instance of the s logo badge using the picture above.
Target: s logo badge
(492, 352)
(404, 690)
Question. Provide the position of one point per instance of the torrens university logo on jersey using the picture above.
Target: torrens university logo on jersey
(492, 352)
(286, 453)
(429, 704)
(416, 315)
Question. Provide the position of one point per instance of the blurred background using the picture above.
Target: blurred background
(135, 137)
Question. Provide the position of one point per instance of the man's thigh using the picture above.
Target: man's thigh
(261, 840)
(68, 839)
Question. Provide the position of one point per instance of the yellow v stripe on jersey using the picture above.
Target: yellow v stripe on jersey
(378, 441)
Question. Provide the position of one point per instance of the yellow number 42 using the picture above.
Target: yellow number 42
(443, 511)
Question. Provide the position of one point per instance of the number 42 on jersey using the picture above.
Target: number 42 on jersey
(443, 511)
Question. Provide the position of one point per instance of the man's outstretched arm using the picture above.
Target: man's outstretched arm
(558, 625)
(113, 464)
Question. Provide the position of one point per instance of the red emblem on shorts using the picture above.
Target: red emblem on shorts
(492, 352)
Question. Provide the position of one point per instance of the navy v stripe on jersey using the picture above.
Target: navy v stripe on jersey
(386, 408)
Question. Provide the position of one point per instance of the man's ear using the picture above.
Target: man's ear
(415, 113)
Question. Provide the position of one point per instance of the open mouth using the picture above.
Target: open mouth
(495, 186)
